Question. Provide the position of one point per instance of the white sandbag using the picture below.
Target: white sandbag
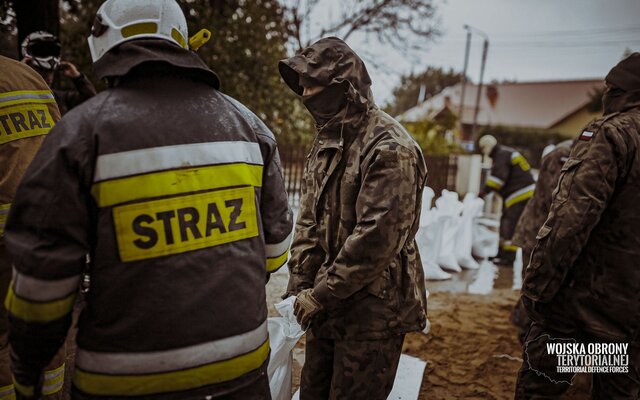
(486, 238)
(485, 278)
(284, 333)
(427, 197)
(449, 209)
(472, 208)
(517, 271)
(428, 239)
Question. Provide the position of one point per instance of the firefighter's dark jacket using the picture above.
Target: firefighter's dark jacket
(176, 192)
(584, 271)
(510, 176)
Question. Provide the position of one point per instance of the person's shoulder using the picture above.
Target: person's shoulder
(19, 76)
(391, 134)
(254, 121)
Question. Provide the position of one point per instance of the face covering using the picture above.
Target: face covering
(326, 104)
(613, 100)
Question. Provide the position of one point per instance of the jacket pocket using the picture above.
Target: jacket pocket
(565, 182)
(381, 286)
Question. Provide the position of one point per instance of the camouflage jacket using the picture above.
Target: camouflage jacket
(584, 272)
(354, 237)
(510, 176)
(536, 210)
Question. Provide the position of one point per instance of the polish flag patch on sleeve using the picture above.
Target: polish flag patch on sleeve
(586, 136)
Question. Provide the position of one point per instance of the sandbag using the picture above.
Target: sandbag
(284, 333)
(472, 208)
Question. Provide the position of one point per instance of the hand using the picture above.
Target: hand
(69, 70)
(305, 307)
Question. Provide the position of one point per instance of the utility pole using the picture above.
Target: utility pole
(485, 49)
(463, 83)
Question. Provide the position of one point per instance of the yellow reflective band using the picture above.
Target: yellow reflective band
(510, 247)
(24, 121)
(139, 29)
(493, 184)
(24, 390)
(53, 380)
(274, 264)
(4, 207)
(150, 384)
(517, 199)
(521, 161)
(166, 183)
(179, 224)
(26, 96)
(7, 392)
(38, 312)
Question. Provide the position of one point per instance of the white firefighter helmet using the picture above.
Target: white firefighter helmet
(487, 143)
(118, 21)
(43, 49)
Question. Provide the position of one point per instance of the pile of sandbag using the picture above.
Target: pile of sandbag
(452, 233)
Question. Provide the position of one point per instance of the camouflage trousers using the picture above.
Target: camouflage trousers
(538, 378)
(349, 369)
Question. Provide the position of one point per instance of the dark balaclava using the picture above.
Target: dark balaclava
(327, 103)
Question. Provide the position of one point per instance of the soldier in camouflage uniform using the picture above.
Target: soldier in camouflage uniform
(583, 281)
(534, 215)
(354, 264)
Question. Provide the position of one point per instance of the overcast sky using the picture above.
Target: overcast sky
(529, 40)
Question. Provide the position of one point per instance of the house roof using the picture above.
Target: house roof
(524, 104)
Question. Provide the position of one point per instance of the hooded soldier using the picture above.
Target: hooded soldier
(583, 281)
(355, 267)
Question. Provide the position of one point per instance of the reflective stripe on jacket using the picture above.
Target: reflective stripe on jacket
(510, 176)
(27, 112)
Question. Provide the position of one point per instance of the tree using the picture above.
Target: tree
(427, 83)
(18, 18)
(404, 24)
(248, 40)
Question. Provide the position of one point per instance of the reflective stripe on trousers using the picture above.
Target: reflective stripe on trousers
(148, 373)
(519, 195)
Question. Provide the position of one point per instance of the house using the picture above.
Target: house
(556, 106)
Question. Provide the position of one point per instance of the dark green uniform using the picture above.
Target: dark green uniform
(583, 281)
(354, 239)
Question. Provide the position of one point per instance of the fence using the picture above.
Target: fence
(442, 171)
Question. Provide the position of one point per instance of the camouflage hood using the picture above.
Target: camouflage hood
(331, 63)
(623, 81)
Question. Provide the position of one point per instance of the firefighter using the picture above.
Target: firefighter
(582, 285)
(355, 266)
(41, 51)
(176, 192)
(511, 178)
(27, 113)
